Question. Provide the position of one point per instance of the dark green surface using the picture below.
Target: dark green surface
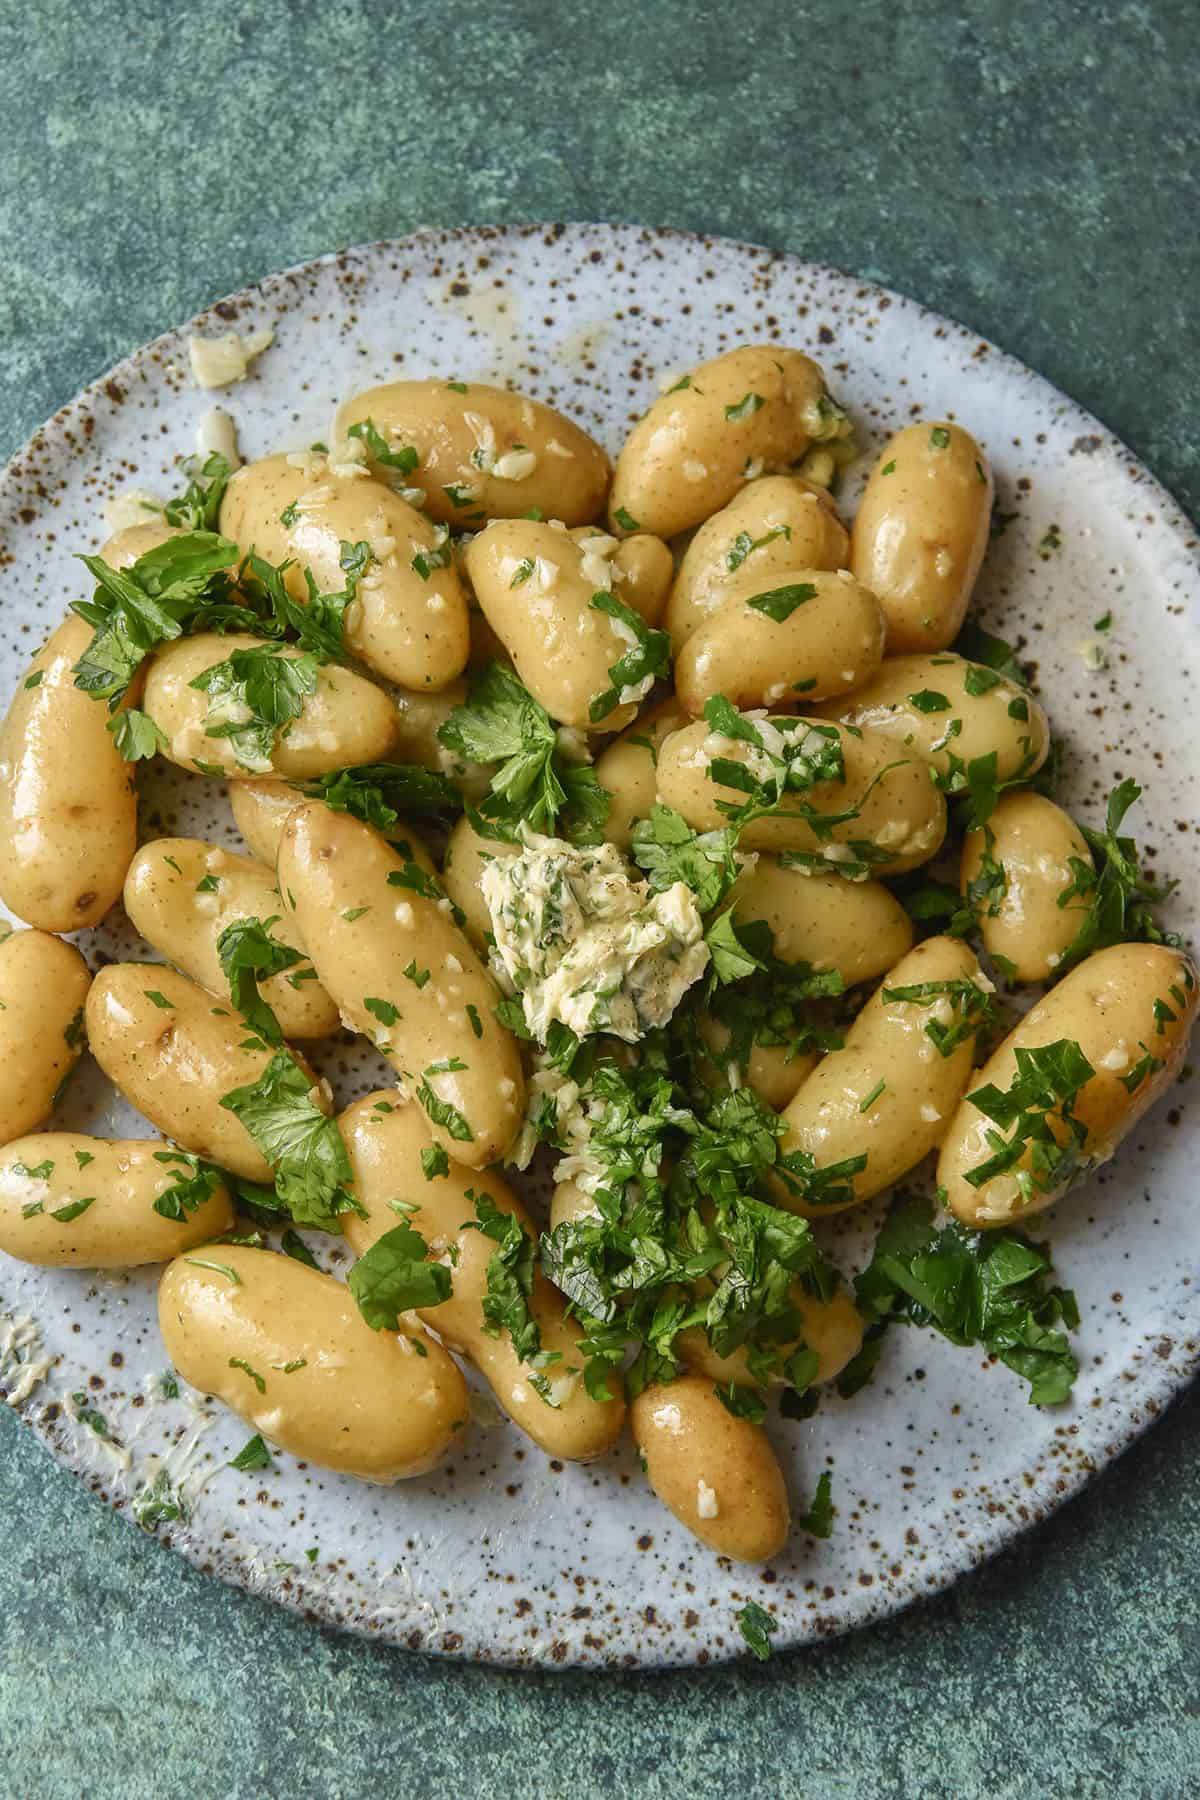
(1030, 170)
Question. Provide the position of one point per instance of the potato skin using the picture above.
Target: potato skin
(920, 533)
(856, 927)
(43, 987)
(331, 865)
(174, 1063)
(408, 627)
(385, 1148)
(628, 768)
(348, 720)
(366, 1403)
(561, 646)
(981, 723)
(643, 569)
(1105, 1005)
(68, 808)
(690, 1442)
(801, 529)
(1032, 841)
(700, 443)
(120, 1229)
(419, 717)
(165, 904)
(453, 427)
(261, 810)
(830, 643)
(899, 812)
(467, 854)
(830, 1118)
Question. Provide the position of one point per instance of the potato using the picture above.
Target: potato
(374, 926)
(821, 634)
(776, 522)
(1130, 1011)
(43, 986)
(775, 1071)
(181, 893)
(418, 720)
(717, 1474)
(75, 1202)
(385, 1138)
(949, 711)
(482, 452)
(467, 855)
(261, 809)
(888, 1093)
(347, 720)
(643, 569)
(175, 1061)
(753, 409)
(832, 1328)
(408, 620)
(920, 533)
(126, 546)
(1015, 871)
(535, 586)
(629, 768)
(68, 809)
(858, 928)
(899, 817)
(287, 1348)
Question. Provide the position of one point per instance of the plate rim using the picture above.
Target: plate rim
(958, 1554)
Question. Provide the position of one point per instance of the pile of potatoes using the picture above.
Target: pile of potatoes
(491, 521)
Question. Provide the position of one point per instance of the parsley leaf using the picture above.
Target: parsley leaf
(303, 1146)
(136, 735)
(780, 603)
(393, 1277)
(248, 955)
(818, 1520)
(253, 1456)
(509, 1277)
(198, 508)
(253, 696)
(667, 848)
(536, 783)
(404, 460)
(195, 1183)
(758, 1627)
(1119, 896)
(974, 1287)
(1046, 1148)
(135, 610)
(633, 674)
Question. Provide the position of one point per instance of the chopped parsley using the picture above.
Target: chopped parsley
(252, 1457)
(394, 1276)
(253, 696)
(780, 603)
(303, 1146)
(633, 674)
(249, 954)
(1119, 896)
(404, 461)
(758, 1627)
(744, 545)
(381, 794)
(136, 735)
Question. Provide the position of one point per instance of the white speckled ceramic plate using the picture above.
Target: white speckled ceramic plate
(503, 1555)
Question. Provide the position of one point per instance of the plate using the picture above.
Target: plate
(503, 1555)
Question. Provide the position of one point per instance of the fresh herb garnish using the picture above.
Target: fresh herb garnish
(394, 1276)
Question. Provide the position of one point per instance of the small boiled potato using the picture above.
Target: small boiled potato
(776, 522)
(483, 452)
(535, 586)
(920, 533)
(260, 812)
(408, 620)
(946, 709)
(419, 717)
(385, 1138)
(856, 927)
(717, 1474)
(348, 720)
(374, 926)
(467, 855)
(1130, 1009)
(832, 1328)
(824, 636)
(175, 1061)
(897, 810)
(124, 547)
(181, 893)
(43, 986)
(1024, 925)
(288, 1350)
(643, 569)
(752, 409)
(94, 1201)
(628, 769)
(888, 1093)
(68, 808)
(773, 1071)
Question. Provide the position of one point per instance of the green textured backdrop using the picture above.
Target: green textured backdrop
(1030, 169)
